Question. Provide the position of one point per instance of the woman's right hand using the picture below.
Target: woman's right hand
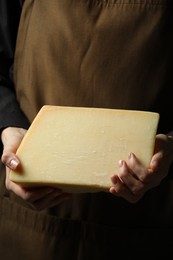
(40, 198)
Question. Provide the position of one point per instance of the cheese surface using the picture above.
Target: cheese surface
(78, 149)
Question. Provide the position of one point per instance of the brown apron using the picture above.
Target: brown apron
(95, 53)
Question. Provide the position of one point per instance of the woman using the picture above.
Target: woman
(96, 53)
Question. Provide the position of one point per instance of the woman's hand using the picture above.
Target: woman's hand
(133, 179)
(39, 198)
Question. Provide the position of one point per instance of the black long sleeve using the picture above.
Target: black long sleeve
(10, 112)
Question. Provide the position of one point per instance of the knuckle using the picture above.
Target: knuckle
(4, 158)
(137, 190)
(27, 196)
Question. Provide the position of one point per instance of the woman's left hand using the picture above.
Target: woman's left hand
(133, 179)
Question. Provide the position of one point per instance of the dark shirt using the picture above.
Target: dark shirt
(10, 112)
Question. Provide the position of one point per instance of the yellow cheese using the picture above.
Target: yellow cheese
(78, 149)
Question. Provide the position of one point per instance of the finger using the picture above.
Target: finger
(29, 195)
(129, 179)
(139, 171)
(150, 176)
(156, 162)
(50, 200)
(116, 183)
(10, 160)
(12, 137)
(35, 194)
(119, 189)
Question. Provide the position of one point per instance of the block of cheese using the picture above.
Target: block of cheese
(78, 149)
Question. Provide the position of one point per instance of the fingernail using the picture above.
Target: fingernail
(13, 164)
(130, 156)
(120, 163)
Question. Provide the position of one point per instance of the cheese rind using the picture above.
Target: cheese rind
(78, 149)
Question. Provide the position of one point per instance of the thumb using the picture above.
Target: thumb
(10, 160)
(11, 138)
